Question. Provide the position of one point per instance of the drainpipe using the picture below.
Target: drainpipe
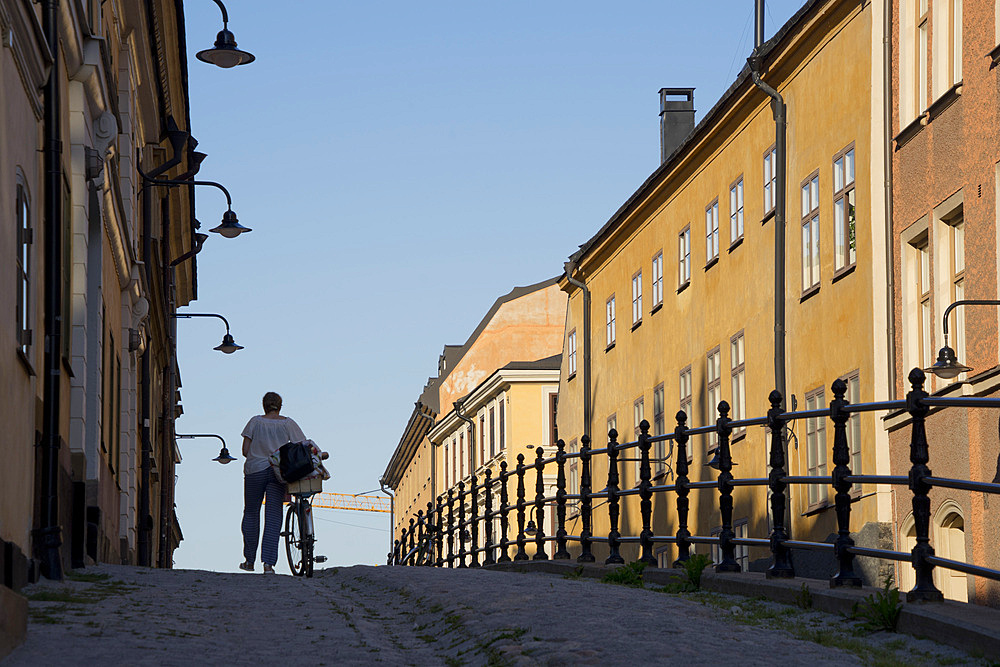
(778, 109)
(780, 126)
(890, 309)
(570, 268)
(50, 532)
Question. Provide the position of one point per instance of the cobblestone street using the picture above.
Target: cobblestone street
(115, 615)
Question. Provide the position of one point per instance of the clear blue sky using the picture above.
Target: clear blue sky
(402, 165)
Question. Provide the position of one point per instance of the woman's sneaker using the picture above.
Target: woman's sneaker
(268, 569)
(247, 566)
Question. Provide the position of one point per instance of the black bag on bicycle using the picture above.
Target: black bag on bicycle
(295, 461)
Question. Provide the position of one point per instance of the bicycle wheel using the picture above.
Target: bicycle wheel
(293, 540)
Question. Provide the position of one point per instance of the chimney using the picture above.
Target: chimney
(676, 118)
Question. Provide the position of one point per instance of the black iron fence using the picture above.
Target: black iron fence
(438, 536)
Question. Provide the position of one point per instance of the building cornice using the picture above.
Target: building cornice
(32, 56)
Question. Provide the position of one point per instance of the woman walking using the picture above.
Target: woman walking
(262, 436)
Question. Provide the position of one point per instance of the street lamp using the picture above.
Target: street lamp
(223, 456)
(225, 54)
(228, 344)
(230, 226)
(947, 365)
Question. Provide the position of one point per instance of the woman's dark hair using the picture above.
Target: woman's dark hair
(272, 402)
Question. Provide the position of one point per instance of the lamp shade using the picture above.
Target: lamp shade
(228, 345)
(530, 529)
(225, 54)
(224, 457)
(230, 227)
(947, 367)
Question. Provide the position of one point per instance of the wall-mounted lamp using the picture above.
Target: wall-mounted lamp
(223, 457)
(225, 54)
(228, 344)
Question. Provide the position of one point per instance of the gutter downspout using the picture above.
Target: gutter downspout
(570, 268)
(50, 532)
(890, 319)
(779, 110)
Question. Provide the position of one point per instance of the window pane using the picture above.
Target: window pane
(849, 167)
(815, 251)
(838, 174)
(805, 256)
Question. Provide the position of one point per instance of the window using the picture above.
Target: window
(657, 273)
(736, 211)
(853, 396)
(574, 470)
(738, 373)
(685, 402)
(482, 439)
(810, 233)
(659, 428)
(612, 424)
(503, 430)
(845, 241)
(955, 48)
(925, 317)
(770, 179)
(610, 320)
(553, 412)
(471, 450)
(816, 447)
(638, 414)
(742, 555)
(956, 233)
(637, 298)
(684, 257)
(454, 462)
(447, 466)
(24, 268)
(923, 31)
(493, 431)
(946, 58)
(712, 232)
(461, 458)
(571, 353)
(713, 376)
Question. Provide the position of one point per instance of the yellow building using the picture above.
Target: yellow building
(681, 281)
(508, 357)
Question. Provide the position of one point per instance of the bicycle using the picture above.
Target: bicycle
(299, 534)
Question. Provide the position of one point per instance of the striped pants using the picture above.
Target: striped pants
(255, 486)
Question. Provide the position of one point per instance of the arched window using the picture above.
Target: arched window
(25, 295)
(949, 542)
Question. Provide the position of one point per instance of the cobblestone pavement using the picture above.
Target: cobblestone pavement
(116, 615)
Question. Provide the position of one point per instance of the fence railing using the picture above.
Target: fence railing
(431, 536)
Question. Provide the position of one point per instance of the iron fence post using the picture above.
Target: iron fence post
(726, 546)
(474, 521)
(681, 484)
(782, 567)
(645, 496)
(561, 552)
(504, 511)
(439, 542)
(539, 507)
(461, 524)
(421, 520)
(586, 517)
(924, 590)
(521, 553)
(842, 501)
(488, 558)
(409, 551)
(451, 528)
(394, 556)
(401, 560)
(613, 535)
(432, 532)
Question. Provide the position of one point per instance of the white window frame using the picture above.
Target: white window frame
(637, 298)
(659, 427)
(844, 210)
(713, 393)
(25, 268)
(657, 278)
(712, 231)
(770, 179)
(737, 374)
(571, 353)
(686, 402)
(816, 449)
(684, 257)
(810, 233)
(610, 320)
(638, 414)
(736, 211)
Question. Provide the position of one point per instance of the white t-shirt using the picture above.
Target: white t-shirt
(266, 437)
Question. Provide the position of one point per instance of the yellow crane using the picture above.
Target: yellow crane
(351, 501)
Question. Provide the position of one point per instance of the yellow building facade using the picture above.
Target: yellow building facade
(510, 357)
(681, 281)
